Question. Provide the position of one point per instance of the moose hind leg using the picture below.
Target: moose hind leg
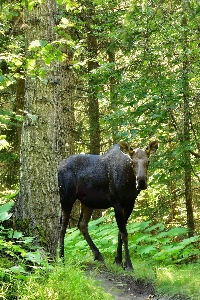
(86, 213)
(64, 222)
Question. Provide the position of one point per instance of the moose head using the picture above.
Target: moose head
(140, 160)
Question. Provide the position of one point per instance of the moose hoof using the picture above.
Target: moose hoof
(128, 267)
(99, 258)
(118, 262)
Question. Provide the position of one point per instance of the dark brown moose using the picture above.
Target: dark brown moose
(102, 181)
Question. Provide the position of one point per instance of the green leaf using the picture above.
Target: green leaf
(34, 257)
(146, 249)
(17, 269)
(4, 211)
(6, 207)
(138, 226)
(143, 238)
(158, 226)
(37, 43)
(190, 240)
(15, 234)
(177, 231)
(81, 244)
(27, 239)
(32, 117)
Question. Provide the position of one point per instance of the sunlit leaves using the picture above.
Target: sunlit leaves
(145, 240)
(18, 250)
(32, 3)
(4, 211)
(42, 55)
(45, 51)
(37, 43)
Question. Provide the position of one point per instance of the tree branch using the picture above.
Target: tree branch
(195, 154)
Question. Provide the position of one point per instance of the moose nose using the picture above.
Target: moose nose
(141, 183)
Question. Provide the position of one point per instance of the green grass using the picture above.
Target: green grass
(168, 279)
(183, 280)
(157, 254)
(63, 282)
(156, 257)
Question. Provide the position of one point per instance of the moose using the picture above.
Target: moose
(113, 179)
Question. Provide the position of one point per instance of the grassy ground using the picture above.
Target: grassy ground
(169, 280)
(169, 277)
(70, 282)
(63, 282)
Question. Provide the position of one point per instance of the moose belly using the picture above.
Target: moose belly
(93, 197)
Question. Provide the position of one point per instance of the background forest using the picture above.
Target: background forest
(79, 76)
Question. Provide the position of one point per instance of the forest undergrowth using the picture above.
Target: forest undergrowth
(164, 257)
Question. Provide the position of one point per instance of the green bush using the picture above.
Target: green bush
(145, 241)
(27, 275)
(19, 257)
(64, 282)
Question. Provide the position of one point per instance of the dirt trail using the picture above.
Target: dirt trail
(125, 287)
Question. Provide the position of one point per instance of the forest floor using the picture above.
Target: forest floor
(125, 287)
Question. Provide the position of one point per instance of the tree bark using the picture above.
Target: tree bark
(43, 137)
(92, 97)
(94, 127)
(68, 84)
(113, 96)
(186, 130)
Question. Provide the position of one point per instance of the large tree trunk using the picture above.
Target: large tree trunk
(37, 209)
(68, 83)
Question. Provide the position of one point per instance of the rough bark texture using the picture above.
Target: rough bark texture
(186, 130)
(92, 95)
(20, 90)
(93, 86)
(44, 141)
(69, 83)
(113, 95)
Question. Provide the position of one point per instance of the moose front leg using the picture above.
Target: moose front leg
(122, 238)
(118, 257)
(127, 264)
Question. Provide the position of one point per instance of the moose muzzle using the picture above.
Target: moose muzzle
(141, 183)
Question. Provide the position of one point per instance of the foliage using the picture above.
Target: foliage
(26, 273)
(64, 282)
(139, 80)
(148, 70)
(165, 257)
(146, 240)
(19, 256)
(174, 280)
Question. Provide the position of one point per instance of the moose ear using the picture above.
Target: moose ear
(152, 147)
(126, 148)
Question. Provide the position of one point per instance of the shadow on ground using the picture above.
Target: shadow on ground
(125, 287)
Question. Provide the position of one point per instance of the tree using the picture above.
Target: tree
(43, 134)
(11, 92)
(159, 92)
(92, 83)
(137, 78)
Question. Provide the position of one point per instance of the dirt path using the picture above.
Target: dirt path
(125, 287)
